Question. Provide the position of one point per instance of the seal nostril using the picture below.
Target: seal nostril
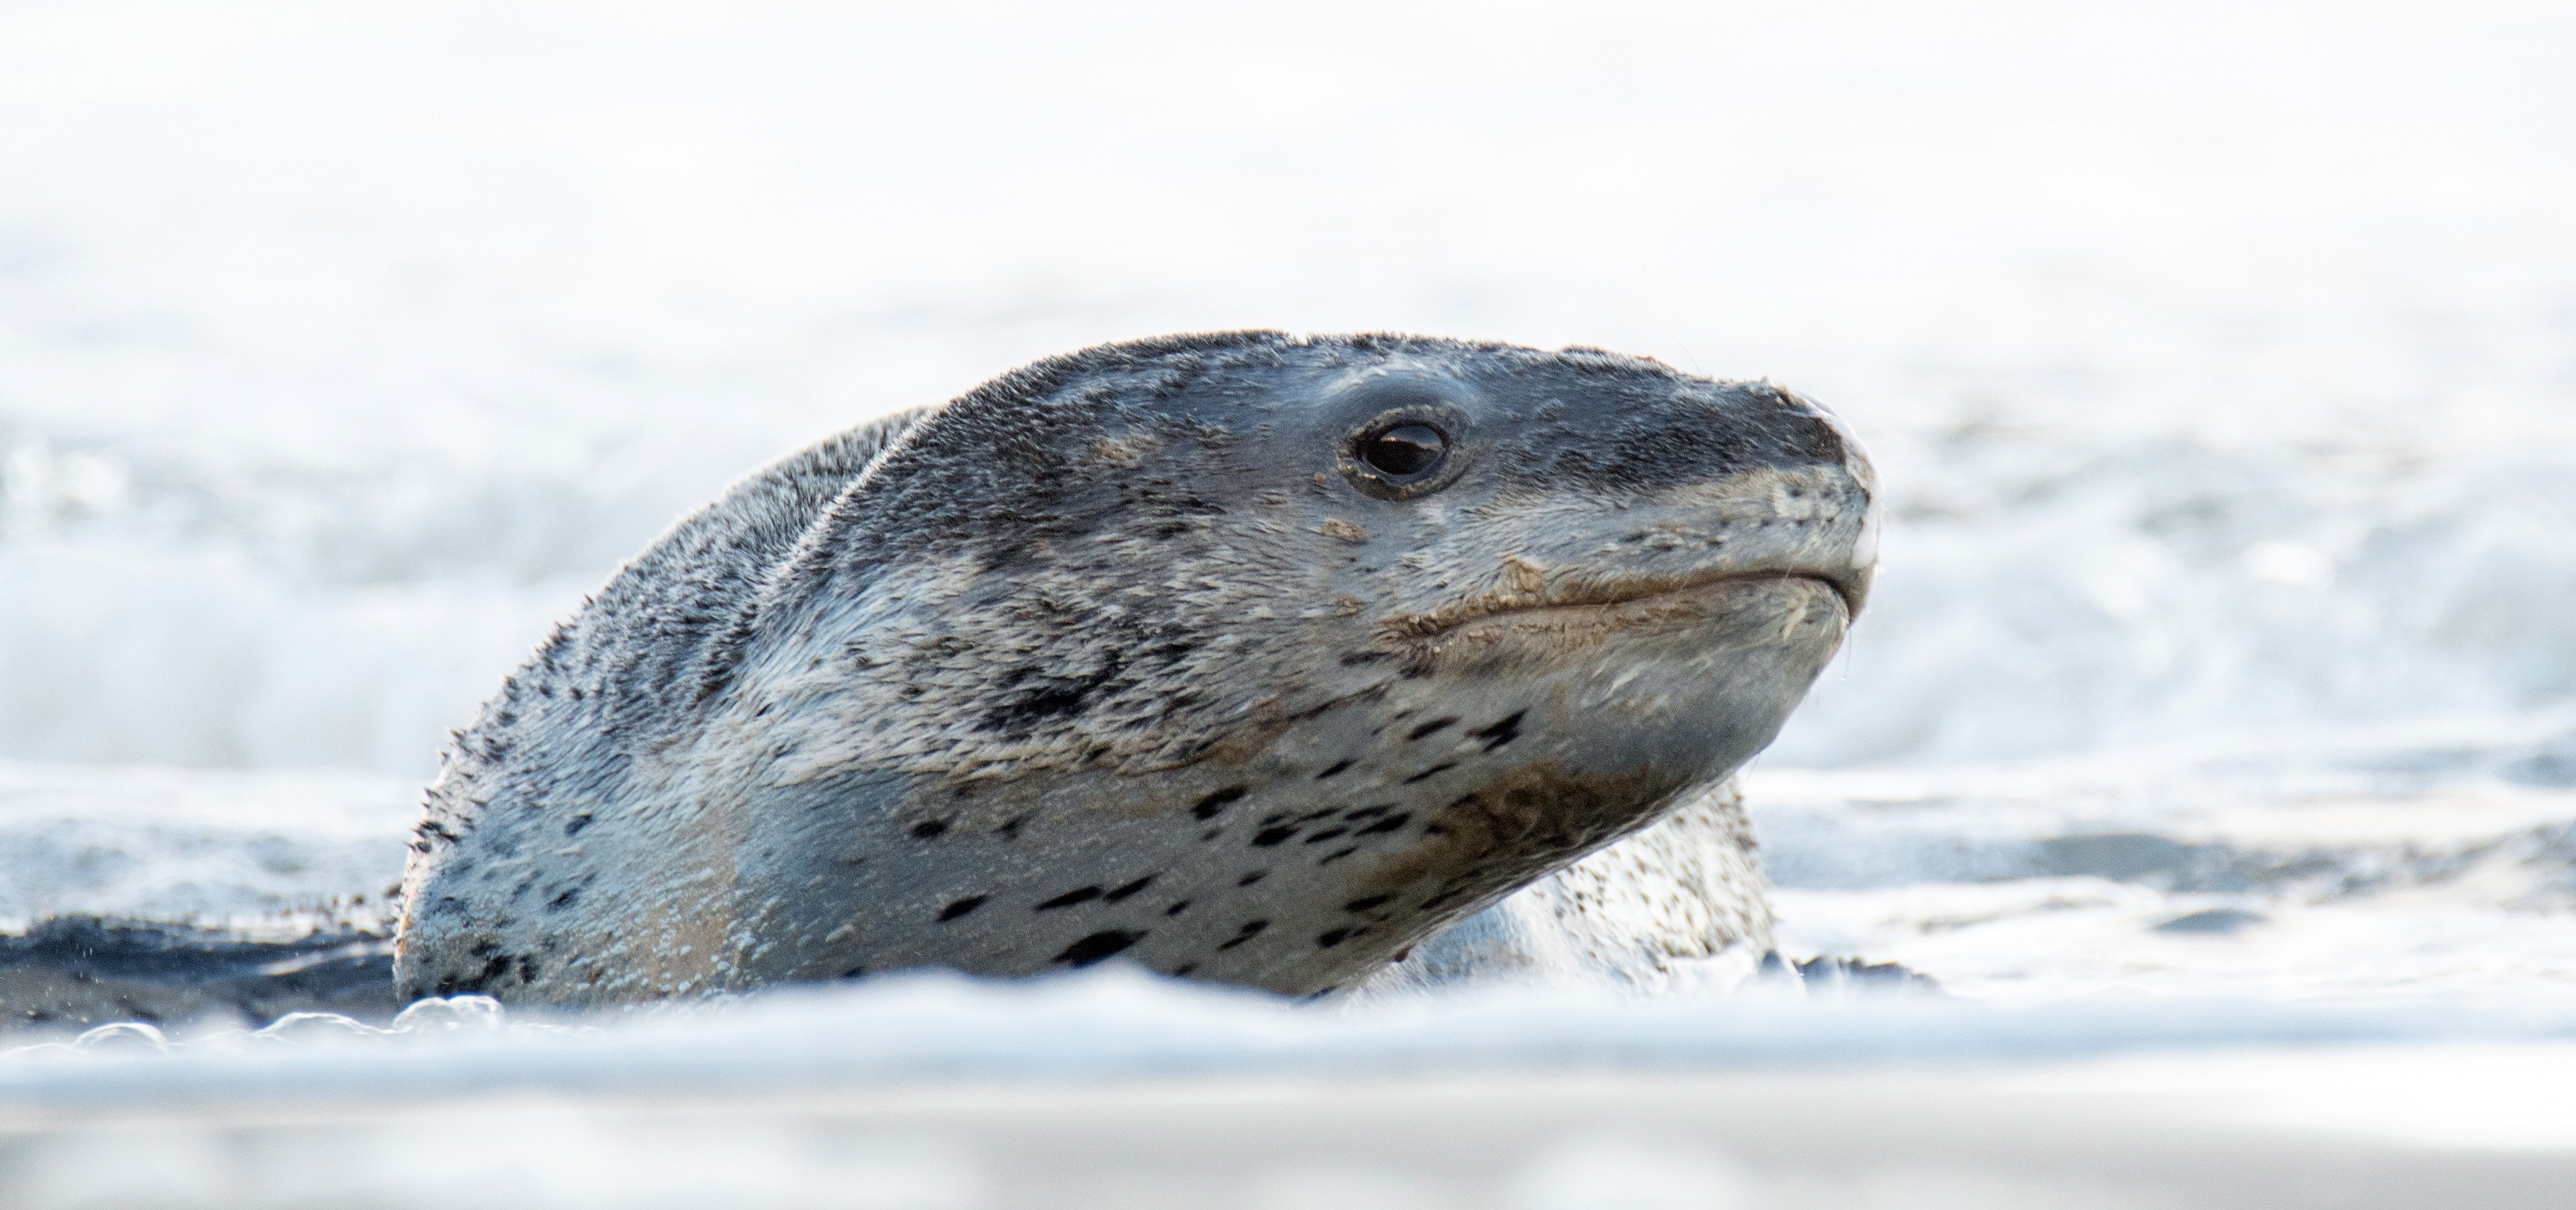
(1407, 449)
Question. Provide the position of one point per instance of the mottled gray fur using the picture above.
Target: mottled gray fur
(1130, 652)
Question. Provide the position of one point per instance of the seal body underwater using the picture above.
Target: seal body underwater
(1249, 657)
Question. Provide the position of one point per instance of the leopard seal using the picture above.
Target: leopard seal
(1249, 657)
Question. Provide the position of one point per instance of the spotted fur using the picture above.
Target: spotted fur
(1122, 655)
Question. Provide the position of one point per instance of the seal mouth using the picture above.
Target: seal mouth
(1611, 603)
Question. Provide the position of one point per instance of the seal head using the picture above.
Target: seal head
(1248, 657)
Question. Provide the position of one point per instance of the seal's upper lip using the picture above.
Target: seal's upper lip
(1618, 592)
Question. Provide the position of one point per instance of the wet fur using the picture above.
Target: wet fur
(1105, 658)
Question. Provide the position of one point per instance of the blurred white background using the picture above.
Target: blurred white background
(2221, 358)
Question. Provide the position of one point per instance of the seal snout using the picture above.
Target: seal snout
(1725, 480)
(1809, 521)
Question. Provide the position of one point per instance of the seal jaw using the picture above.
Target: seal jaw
(1519, 743)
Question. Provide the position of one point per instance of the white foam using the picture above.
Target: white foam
(1119, 1021)
(262, 849)
(1113, 1088)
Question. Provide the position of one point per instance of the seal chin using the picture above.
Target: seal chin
(1724, 613)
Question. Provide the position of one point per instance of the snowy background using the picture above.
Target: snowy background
(2219, 360)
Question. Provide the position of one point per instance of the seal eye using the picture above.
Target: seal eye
(1404, 451)
(1411, 449)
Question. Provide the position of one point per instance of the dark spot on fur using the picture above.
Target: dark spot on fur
(1362, 905)
(1313, 712)
(961, 907)
(573, 826)
(1035, 698)
(1184, 969)
(1331, 939)
(854, 972)
(1364, 812)
(1250, 930)
(1208, 807)
(1272, 836)
(1338, 766)
(928, 828)
(1177, 908)
(1098, 946)
(1337, 855)
(1353, 659)
(1211, 834)
(1388, 824)
(562, 901)
(1070, 898)
(1433, 727)
(1123, 892)
(1501, 733)
(1431, 772)
(1011, 830)
(1326, 834)
(1253, 877)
